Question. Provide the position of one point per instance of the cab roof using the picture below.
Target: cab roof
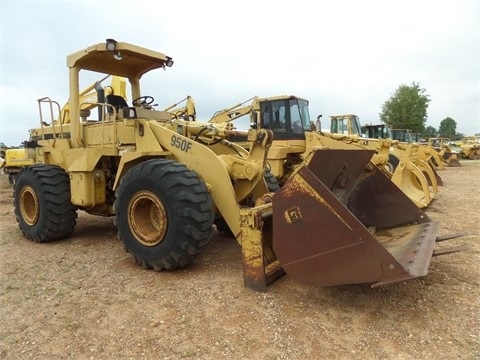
(135, 60)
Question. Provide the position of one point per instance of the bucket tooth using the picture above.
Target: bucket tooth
(449, 250)
(450, 236)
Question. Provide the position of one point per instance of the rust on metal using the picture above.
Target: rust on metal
(364, 231)
(260, 266)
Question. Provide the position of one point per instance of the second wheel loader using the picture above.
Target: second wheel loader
(470, 148)
(406, 164)
(335, 220)
(445, 152)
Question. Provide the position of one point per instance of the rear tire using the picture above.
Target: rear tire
(43, 208)
(164, 214)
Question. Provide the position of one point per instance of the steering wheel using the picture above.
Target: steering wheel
(143, 101)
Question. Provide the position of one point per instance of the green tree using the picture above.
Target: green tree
(429, 132)
(406, 108)
(448, 128)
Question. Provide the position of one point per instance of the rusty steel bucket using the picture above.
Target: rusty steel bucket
(340, 220)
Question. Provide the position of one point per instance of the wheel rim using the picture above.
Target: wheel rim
(29, 205)
(147, 218)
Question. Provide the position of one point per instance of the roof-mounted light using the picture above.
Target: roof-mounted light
(112, 46)
(169, 62)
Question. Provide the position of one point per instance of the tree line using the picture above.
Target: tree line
(407, 109)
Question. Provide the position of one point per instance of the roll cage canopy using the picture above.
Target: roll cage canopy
(118, 58)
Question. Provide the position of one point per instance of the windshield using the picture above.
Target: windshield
(299, 115)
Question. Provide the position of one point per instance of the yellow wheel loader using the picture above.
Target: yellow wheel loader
(470, 148)
(400, 161)
(425, 152)
(336, 220)
(445, 152)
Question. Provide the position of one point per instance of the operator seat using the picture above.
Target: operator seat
(117, 101)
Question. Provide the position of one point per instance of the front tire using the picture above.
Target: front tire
(392, 164)
(271, 181)
(43, 207)
(164, 214)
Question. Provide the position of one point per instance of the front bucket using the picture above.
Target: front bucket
(340, 220)
(453, 161)
(475, 155)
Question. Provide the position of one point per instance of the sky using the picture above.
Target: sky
(344, 56)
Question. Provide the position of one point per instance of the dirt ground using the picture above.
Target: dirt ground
(84, 298)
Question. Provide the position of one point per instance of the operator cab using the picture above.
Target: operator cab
(345, 124)
(288, 118)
